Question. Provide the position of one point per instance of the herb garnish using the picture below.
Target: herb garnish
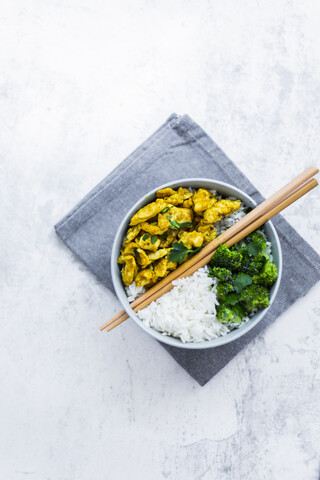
(247, 209)
(180, 251)
(230, 298)
(165, 210)
(145, 237)
(241, 281)
(164, 235)
(176, 225)
(254, 248)
(154, 238)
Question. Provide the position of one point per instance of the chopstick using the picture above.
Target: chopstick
(250, 222)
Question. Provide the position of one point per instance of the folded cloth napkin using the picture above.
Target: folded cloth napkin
(180, 148)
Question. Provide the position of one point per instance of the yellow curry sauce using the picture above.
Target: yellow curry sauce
(176, 216)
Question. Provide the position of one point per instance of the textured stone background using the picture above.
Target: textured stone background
(82, 83)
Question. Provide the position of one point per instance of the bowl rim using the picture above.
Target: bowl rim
(167, 339)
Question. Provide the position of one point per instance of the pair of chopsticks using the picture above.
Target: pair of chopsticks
(284, 197)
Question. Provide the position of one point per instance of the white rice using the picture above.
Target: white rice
(134, 292)
(188, 311)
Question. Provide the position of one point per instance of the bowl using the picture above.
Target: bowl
(226, 190)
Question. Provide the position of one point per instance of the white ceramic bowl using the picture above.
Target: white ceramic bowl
(226, 190)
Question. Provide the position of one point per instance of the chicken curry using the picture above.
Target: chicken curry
(166, 232)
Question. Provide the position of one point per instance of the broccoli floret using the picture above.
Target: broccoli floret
(229, 315)
(256, 237)
(267, 276)
(253, 265)
(256, 243)
(223, 288)
(225, 258)
(254, 297)
(222, 274)
(224, 314)
(239, 310)
(239, 247)
(246, 263)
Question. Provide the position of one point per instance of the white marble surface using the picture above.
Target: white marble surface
(82, 83)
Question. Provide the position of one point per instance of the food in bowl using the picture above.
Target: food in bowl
(166, 232)
(216, 299)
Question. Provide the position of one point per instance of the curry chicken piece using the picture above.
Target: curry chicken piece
(129, 248)
(180, 215)
(169, 238)
(220, 209)
(165, 192)
(147, 243)
(151, 228)
(147, 212)
(144, 277)
(129, 271)
(132, 233)
(192, 239)
(202, 200)
(179, 197)
(142, 258)
(163, 267)
(209, 233)
(187, 203)
(158, 254)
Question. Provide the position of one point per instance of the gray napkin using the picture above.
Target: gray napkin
(179, 148)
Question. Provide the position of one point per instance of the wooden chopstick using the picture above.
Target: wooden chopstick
(261, 210)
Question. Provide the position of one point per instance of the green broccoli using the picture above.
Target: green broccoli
(254, 297)
(256, 236)
(223, 288)
(224, 314)
(253, 265)
(244, 272)
(227, 314)
(225, 258)
(222, 274)
(239, 310)
(267, 276)
(239, 247)
(246, 263)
